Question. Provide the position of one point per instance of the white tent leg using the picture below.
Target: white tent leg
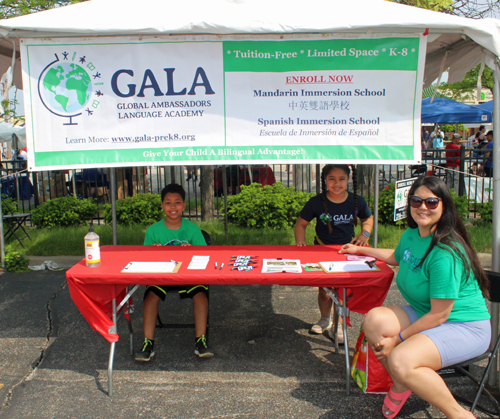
(493, 375)
(112, 180)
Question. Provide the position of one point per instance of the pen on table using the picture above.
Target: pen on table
(215, 265)
(242, 268)
(244, 257)
(221, 266)
(173, 261)
(128, 265)
(243, 263)
(331, 266)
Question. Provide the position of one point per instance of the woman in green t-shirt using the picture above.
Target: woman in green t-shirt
(447, 320)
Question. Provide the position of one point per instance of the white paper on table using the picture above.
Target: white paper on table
(347, 266)
(360, 258)
(150, 267)
(199, 262)
(281, 265)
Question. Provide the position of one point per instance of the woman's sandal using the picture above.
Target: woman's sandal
(390, 409)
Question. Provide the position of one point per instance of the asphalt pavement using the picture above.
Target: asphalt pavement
(267, 365)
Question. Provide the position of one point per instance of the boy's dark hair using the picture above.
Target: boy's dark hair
(173, 188)
(490, 132)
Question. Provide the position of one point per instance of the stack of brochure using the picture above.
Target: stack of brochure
(199, 262)
(281, 265)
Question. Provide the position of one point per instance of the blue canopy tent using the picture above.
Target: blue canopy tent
(486, 106)
(447, 111)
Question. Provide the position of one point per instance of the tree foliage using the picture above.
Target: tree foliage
(475, 9)
(13, 8)
(466, 89)
(435, 5)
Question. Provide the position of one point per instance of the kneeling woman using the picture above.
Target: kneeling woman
(447, 320)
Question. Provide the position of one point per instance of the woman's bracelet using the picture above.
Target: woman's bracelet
(401, 337)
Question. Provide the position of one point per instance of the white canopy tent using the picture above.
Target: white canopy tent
(7, 132)
(454, 43)
(464, 43)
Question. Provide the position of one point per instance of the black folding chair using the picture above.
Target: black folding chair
(13, 222)
(161, 325)
(418, 170)
(490, 355)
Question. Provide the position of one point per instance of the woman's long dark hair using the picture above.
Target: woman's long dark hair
(450, 230)
(324, 173)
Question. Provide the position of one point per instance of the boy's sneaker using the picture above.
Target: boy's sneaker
(147, 351)
(201, 348)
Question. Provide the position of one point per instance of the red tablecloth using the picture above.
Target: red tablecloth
(93, 289)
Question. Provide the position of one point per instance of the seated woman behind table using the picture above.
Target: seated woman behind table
(446, 321)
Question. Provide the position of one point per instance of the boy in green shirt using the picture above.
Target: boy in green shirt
(174, 231)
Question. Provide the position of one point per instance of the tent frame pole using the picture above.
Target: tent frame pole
(495, 308)
(113, 203)
(2, 238)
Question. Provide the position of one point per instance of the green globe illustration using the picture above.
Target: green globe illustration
(66, 88)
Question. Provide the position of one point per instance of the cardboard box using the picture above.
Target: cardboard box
(120, 175)
(140, 184)
(101, 193)
(122, 189)
(54, 187)
(136, 175)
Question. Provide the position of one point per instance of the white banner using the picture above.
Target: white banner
(104, 102)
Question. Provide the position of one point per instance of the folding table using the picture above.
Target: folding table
(100, 293)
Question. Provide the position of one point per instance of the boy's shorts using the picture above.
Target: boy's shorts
(185, 291)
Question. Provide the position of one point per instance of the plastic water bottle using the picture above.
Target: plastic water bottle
(92, 249)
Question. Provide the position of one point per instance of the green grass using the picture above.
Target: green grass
(481, 237)
(69, 241)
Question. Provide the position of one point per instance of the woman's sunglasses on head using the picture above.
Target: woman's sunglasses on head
(430, 203)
